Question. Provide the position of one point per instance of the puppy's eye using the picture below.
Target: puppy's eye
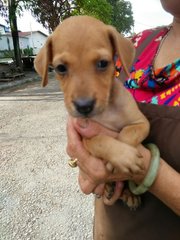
(102, 65)
(61, 69)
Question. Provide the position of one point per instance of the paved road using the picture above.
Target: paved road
(39, 195)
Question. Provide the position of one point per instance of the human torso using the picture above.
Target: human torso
(169, 51)
(153, 220)
(155, 77)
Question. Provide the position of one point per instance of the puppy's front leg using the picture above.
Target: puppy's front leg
(135, 133)
(124, 158)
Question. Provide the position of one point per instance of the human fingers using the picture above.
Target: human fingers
(110, 200)
(88, 128)
(99, 190)
(74, 141)
(92, 166)
(75, 147)
(87, 186)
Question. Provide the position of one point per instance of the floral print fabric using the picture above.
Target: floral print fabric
(161, 86)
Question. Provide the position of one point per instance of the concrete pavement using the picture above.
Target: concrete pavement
(39, 197)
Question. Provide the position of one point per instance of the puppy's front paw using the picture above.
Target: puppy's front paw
(112, 192)
(136, 166)
(124, 158)
(109, 190)
(129, 164)
(131, 200)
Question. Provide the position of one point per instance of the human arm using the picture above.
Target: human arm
(166, 186)
(166, 180)
(92, 172)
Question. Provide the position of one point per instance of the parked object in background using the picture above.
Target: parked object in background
(9, 72)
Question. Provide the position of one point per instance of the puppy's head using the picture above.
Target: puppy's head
(82, 51)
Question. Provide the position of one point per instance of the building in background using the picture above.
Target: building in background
(3, 29)
(34, 40)
(28, 40)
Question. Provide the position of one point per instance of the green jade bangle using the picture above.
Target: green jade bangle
(151, 174)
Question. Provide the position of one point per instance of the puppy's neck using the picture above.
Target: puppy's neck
(117, 93)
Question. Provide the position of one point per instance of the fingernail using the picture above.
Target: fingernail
(98, 195)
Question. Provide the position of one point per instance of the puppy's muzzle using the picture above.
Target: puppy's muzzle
(84, 106)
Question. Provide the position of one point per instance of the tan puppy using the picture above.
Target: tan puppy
(82, 51)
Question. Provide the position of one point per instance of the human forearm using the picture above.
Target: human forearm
(166, 186)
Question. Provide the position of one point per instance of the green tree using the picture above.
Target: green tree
(51, 12)
(12, 6)
(8, 10)
(122, 15)
(100, 9)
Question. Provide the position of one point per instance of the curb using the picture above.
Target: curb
(19, 82)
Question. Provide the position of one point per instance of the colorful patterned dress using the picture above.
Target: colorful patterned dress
(158, 221)
(161, 86)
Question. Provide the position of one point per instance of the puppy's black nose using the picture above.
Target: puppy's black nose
(84, 105)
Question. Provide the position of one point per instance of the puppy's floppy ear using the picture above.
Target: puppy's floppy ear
(43, 60)
(123, 47)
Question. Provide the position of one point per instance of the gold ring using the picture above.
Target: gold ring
(73, 162)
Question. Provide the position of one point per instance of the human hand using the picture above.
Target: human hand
(91, 181)
(92, 170)
(93, 173)
(102, 143)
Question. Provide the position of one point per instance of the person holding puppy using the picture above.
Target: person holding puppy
(155, 81)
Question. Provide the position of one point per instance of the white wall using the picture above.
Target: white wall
(2, 31)
(36, 41)
(4, 45)
(23, 42)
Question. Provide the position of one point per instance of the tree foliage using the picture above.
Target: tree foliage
(100, 9)
(51, 12)
(122, 15)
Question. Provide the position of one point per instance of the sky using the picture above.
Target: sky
(147, 14)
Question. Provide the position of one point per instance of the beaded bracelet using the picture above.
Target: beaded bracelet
(151, 174)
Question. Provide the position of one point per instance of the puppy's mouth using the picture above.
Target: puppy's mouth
(85, 108)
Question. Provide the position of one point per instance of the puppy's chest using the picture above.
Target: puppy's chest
(112, 119)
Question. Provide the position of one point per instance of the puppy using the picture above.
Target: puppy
(82, 51)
